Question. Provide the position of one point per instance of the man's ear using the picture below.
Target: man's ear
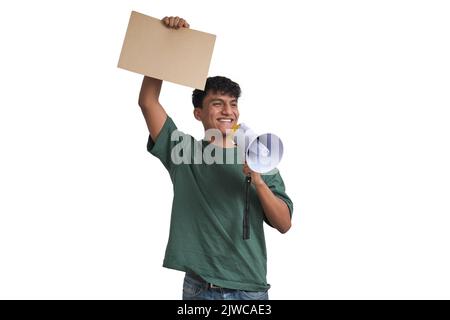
(197, 113)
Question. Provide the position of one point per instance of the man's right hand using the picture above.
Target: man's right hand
(175, 22)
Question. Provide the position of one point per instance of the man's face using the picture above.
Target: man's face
(219, 112)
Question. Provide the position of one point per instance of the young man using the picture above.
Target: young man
(207, 238)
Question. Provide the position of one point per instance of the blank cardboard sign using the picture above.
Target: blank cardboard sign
(181, 56)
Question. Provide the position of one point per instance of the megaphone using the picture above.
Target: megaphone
(263, 152)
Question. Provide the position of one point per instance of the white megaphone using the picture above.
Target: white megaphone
(263, 152)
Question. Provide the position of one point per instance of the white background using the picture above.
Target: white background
(358, 90)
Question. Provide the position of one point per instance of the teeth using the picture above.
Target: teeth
(225, 120)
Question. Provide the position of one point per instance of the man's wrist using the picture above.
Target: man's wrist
(259, 182)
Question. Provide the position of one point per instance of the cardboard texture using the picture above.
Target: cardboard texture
(181, 56)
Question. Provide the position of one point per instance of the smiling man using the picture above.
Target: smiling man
(217, 106)
(207, 239)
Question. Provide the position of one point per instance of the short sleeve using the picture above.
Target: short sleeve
(168, 138)
(276, 185)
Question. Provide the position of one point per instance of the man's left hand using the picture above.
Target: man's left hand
(256, 177)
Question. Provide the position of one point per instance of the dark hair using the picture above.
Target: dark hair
(216, 84)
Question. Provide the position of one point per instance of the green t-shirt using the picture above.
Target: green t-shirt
(206, 228)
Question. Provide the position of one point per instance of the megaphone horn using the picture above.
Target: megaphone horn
(262, 152)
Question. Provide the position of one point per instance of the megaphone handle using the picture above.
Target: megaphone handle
(246, 227)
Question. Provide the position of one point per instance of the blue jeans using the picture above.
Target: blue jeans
(195, 288)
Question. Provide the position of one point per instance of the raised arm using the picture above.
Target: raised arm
(153, 111)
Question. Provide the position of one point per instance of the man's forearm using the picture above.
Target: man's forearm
(276, 210)
(150, 91)
(153, 112)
